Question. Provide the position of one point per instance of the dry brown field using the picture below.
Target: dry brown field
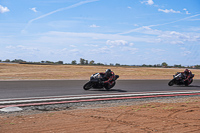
(81, 72)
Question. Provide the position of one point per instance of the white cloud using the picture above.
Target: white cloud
(74, 50)
(186, 53)
(158, 36)
(67, 52)
(129, 7)
(148, 2)
(85, 37)
(3, 9)
(90, 45)
(58, 10)
(131, 50)
(177, 42)
(103, 50)
(34, 9)
(195, 28)
(181, 36)
(194, 19)
(168, 11)
(11, 47)
(174, 37)
(186, 11)
(118, 43)
(149, 30)
(94, 26)
(27, 48)
(156, 50)
(72, 46)
(131, 44)
(116, 40)
(21, 47)
(182, 48)
(144, 30)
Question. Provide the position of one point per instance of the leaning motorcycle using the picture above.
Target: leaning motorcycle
(96, 82)
(178, 79)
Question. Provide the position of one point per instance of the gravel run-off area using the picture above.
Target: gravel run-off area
(164, 115)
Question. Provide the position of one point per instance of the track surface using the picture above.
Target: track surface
(21, 89)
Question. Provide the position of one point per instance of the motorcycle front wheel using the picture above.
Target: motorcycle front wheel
(171, 82)
(88, 86)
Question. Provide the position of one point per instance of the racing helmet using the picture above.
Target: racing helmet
(108, 73)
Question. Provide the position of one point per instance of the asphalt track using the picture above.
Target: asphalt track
(44, 88)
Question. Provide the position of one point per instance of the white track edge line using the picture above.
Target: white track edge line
(89, 97)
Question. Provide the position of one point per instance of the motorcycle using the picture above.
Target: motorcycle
(178, 79)
(96, 82)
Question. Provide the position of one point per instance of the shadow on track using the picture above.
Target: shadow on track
(117, 90)
(194, 86)
(187, 86)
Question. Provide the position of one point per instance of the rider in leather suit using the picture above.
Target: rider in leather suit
(109, 78)
(189, 76)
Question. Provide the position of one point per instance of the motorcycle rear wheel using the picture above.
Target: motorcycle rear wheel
(186, 83)
(108, 87)
(88, 86)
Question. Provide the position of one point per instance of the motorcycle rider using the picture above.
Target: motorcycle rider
(188, 75)
(108, 78)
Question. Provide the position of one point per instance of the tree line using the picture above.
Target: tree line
(30, 62)
(92, 62)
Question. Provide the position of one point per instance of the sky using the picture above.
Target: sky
(131, 32)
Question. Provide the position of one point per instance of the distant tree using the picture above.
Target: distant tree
(164, 64)
(179, 66)
(197, 66)
(158, 65)
(0, 60)
(42, 61)
(7, 60)
(91, 62)
(86, 62)
(111, 64)
(100, 64)
(74, 62)
(117, 64)
(18, 60)
(49, 62)
(59, 62)
(82, 61)
(144, 65)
